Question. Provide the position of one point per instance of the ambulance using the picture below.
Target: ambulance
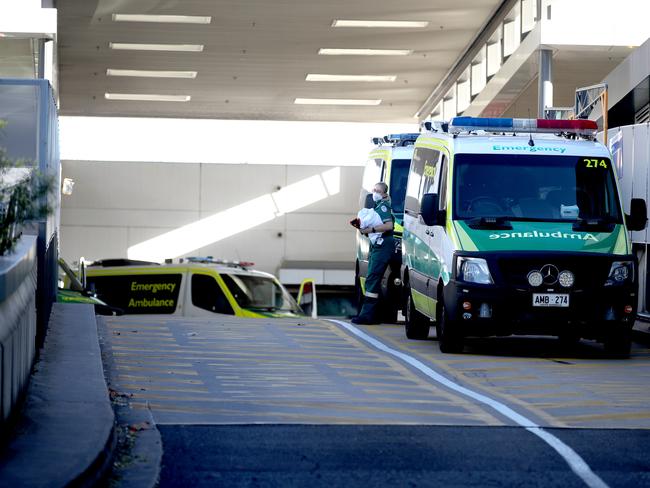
(515, 226)
(191, 287)
(388, 162)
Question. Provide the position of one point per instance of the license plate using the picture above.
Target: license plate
(550, 300)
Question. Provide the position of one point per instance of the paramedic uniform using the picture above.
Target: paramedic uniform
(379, 257)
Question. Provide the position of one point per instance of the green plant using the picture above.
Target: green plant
(23, 198)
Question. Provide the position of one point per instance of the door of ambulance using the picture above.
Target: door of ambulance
(373, 173)
(418, 238)
(438, 242)
(431, 266)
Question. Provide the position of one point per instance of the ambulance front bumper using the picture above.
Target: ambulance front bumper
(511, 306)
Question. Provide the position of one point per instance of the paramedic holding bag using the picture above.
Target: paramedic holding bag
(381, 251)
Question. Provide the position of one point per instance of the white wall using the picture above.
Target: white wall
(117, 205)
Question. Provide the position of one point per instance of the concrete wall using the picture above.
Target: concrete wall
(116, 205)
(17, 322)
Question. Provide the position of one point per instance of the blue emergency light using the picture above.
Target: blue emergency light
(494, 124)
(401, 137)
(398, 139)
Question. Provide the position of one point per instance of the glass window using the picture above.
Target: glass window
(259, 293)
(208, 295)
(444, 168)
(399, 172)
(373, 173)
(527, 187)
(138, 293)
(412, 200)
(430, 158)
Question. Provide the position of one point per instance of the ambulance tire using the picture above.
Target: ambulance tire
(358, 292)
(388, 312)
(568, 340)
(389, 304)
(450, 340)
(416, 324)
(618, 344)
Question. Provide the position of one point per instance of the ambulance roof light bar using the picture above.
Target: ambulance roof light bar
(397, 139)
(494, 124)
(211, 260)
(436, 125)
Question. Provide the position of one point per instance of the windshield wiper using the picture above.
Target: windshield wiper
(266, 309)
(604, 224)
(490, 223)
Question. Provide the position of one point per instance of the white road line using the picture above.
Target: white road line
(573, 459)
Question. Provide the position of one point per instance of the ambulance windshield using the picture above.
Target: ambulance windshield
(259, 293)
(535, 187)
(399, 173)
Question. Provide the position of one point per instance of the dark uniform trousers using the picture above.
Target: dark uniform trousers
(378, 259)
(380, 255)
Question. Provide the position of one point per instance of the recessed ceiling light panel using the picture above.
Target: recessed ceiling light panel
(126, 46)
(167, 19)
(363, 78)
(364, 52)
(150, 73)
(389, 24)
(147, 97)
(335, 101)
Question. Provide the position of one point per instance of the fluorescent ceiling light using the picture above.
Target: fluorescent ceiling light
(317, 77)
(398, 24)
(170, 19)
(334, 101)
(364, 52)
(143, 97)
(156, 47)
(150, 73)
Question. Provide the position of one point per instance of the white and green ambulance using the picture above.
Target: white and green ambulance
(515, 226)
(388, 162)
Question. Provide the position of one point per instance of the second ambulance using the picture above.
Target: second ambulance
(515, 226)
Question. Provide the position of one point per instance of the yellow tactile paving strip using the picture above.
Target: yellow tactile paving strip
(578, 388)
(232, 371)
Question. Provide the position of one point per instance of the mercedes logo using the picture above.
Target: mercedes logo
(549, 274)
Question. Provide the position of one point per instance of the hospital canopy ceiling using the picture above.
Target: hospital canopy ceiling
(332, 60)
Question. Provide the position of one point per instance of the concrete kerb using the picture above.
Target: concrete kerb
(66, 435)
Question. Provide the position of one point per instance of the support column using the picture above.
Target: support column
(545, 81)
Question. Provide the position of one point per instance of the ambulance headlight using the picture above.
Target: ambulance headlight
(621, 272)
(473, 270)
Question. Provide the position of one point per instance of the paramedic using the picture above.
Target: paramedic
(379, 256)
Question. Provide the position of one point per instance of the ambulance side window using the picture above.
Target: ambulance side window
(442, 191)
(372, 173)
(412, 200)
(208, 295)
(428, 185)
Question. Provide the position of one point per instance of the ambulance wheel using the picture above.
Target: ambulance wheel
(358, 293)
(389, 312)
(618, 344)
(568, 340)
(416, 324)
(389, 304)
(450, 338)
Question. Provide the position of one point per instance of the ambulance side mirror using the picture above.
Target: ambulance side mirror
(307, 298)
(369, 203)
(638, 217)
(431, 215)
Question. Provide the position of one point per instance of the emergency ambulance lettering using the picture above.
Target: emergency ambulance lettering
(532, 149)
(153, 287)
(535, 234)
(154, 302)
